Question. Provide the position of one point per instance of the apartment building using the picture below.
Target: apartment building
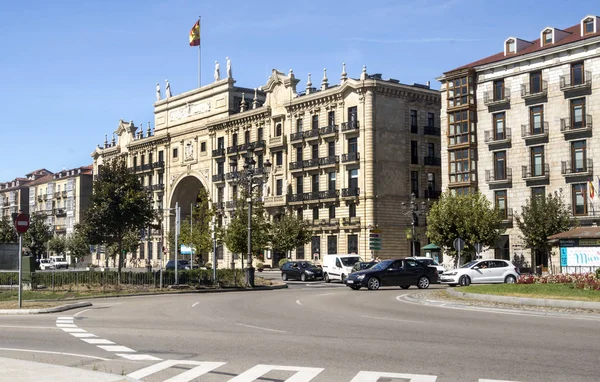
(14, 195)
(519, 123)
(344, 156)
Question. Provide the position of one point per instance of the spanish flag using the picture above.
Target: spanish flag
(592, 191)
(195, 34)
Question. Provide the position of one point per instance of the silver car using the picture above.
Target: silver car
(482, 272)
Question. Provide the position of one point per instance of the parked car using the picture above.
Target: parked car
(430, 262)
(398, 272)
(482, 271)
(181, 265)
(362, 265)
(301, 270)
(46, 264)
(338, 267)
(59, 262)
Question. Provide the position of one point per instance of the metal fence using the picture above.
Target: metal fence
(578, 269)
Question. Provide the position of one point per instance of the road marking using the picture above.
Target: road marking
(303, 374)
(56, 352)
(73, 330)
(83, 335)
(139, 357)
(200, 369)
(298, 302)
(78, 313)
(394, 319)
(115, 348)
(373, 376)
(196, 303)
(97, 341)
(66, 325)
(494, 380)
(326, 294)
(258, 327)
(65, 318)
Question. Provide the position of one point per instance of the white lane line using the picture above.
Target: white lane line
(66, 325)
(139, 357)
(325, 294)
(73, 330)
(258, 327)
(65, 318)
(78, 313)
(56, 352)
(298, 302)
(83, 335)
(394, 319)
(196, 303)
(28, 327)
(373, 376)
(116, 348)
(97, 341)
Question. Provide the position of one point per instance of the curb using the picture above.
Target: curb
(570, 304)
(55, 309)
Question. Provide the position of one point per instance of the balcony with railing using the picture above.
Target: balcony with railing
(492, 137)
(536, 172)
(230, 176)
(274, 201)
(158, 187)
(158, 164)
(432, 161)
(350, 157)
(60, 212)
(351, 222)
(352, 126)
(233, 149)
(331, 223)
(432, 194)
(296, 198)
(498, 177)
(329, 194)
(328, 130)
(577, 168)
(506, 215)
(530, 131)
(57, 195)
(218, 152)
(277, 141)
(571, 82)
(218, 178)
(490, 99)
(432, 130)
(297, 165)
(311, 134)
(296, 136)
(538, 90)
(351, 192)
(60, 229)
(147, 166)
(329, 161)
(567, 127)
(311, 163)
(64, 194)
(219, 205)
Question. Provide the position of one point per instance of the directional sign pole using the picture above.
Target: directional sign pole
(20, 271)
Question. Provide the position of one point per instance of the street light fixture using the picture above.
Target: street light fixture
(251, 177)
(414, 212)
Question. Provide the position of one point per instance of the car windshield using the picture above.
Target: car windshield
(469, 264)
(350, 261)
(308, 264)
(381, 265)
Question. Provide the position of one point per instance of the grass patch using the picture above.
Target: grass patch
(552, 291)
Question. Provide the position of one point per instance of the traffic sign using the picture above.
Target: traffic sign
(478, 248)
(375, 240)
(22, 223)
(459, 244)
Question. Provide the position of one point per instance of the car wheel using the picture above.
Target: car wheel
(355, 287)
(464, 281)
(326, 278)
(373, 283)
(303, 277)
(510, 279)
(404, 286)
(284, 276)
(423, 283)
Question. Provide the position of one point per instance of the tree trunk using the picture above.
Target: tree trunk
(120, 263)
(549, 255)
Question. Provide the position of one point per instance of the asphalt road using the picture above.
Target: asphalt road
(327, 332)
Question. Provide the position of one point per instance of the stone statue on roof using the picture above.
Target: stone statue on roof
(217, 71)
(157, 91)
(229, 75)
(167, 89)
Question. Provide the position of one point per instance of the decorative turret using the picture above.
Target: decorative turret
(363, 75)
(105, 141)
(308, 85)
(344, 74)
(324, 81)
(255, 100)
(243, 103)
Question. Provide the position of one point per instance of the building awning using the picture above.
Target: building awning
(578, 233)
(431, 246)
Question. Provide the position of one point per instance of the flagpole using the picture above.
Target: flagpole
(199, 51)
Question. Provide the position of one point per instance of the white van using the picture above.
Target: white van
(338, 267)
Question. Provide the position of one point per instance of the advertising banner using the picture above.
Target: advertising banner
(580, 257)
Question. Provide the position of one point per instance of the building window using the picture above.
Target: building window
(511, 46)
(537, 161)
(577, 75)
(135, 159)
(460, 165)
(499, 127)
(578, 156)
(175, 152)
(278, 130)
(221, 143)
(220, 167)
(234, 140)
(538, 192)
(315, 151)
(300, 214)
(220, 194)
(142, 246)
(315, 213)
(430, 119)
(352, 115)
(431, 150)
(331, 181)
(414, 152)
(588, 26)
(353, 179)
(315, 121)
(352, 210)
(498, 90)
(331, 148)
(414, 128)
(332, 245)
(577, 113)
(331, 118)
(315, 183)
(500, 165)
(279, 158)
(299, 185)
(219, 252)
(536, 120)
(315, 247)
(353, 244)
(299, 154)
(500, 202)
(150, 250)
(202, 149)
(259, 133)
(414, 183)
(535, 82)
(431, 183)
(332, 212)
(459, 125)
(548, 37)
(299, 125)
(352, 145)
(234, 191)
(300, 252)
(161, 155)
(460, 91)
(279, 187)
(579, 198)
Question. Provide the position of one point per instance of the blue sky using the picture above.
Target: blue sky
(71, 69)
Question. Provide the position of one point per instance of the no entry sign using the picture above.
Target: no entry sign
(22, 223)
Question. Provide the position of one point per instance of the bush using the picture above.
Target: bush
(587, 281)
(208, 265)
(282, 261)
(598, 273)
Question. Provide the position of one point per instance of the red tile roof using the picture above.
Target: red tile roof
(578, 233)
(574, 35)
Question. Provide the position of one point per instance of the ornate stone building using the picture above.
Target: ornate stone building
(519, 123)
(343, 156)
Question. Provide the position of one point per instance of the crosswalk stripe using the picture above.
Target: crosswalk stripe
(116, 348)
(373, 376)
(83, 335)
(73, 330)
(139, 357)
(303, 374)
(200, 369)
(65, 318)
(97, 341)
(66, 325)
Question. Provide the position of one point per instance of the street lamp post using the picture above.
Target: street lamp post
(414, 212)
(251, 177)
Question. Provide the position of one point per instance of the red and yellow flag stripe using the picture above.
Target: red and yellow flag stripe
(195, 34)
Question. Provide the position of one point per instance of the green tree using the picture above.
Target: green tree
(119, 206)
(77, 244)
(470, 217)
(57, 244)
(289, 232)
(131, 242)
(8, 234)
(542, 217)
(198, 235)
(235, 235)
(37, 235)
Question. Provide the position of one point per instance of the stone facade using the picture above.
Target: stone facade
(341, 156)
(529, 127)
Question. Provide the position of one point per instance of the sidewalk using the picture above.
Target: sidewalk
(18, 370)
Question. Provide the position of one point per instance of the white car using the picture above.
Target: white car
(430, 262)
(481, 272)
(46, 264)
